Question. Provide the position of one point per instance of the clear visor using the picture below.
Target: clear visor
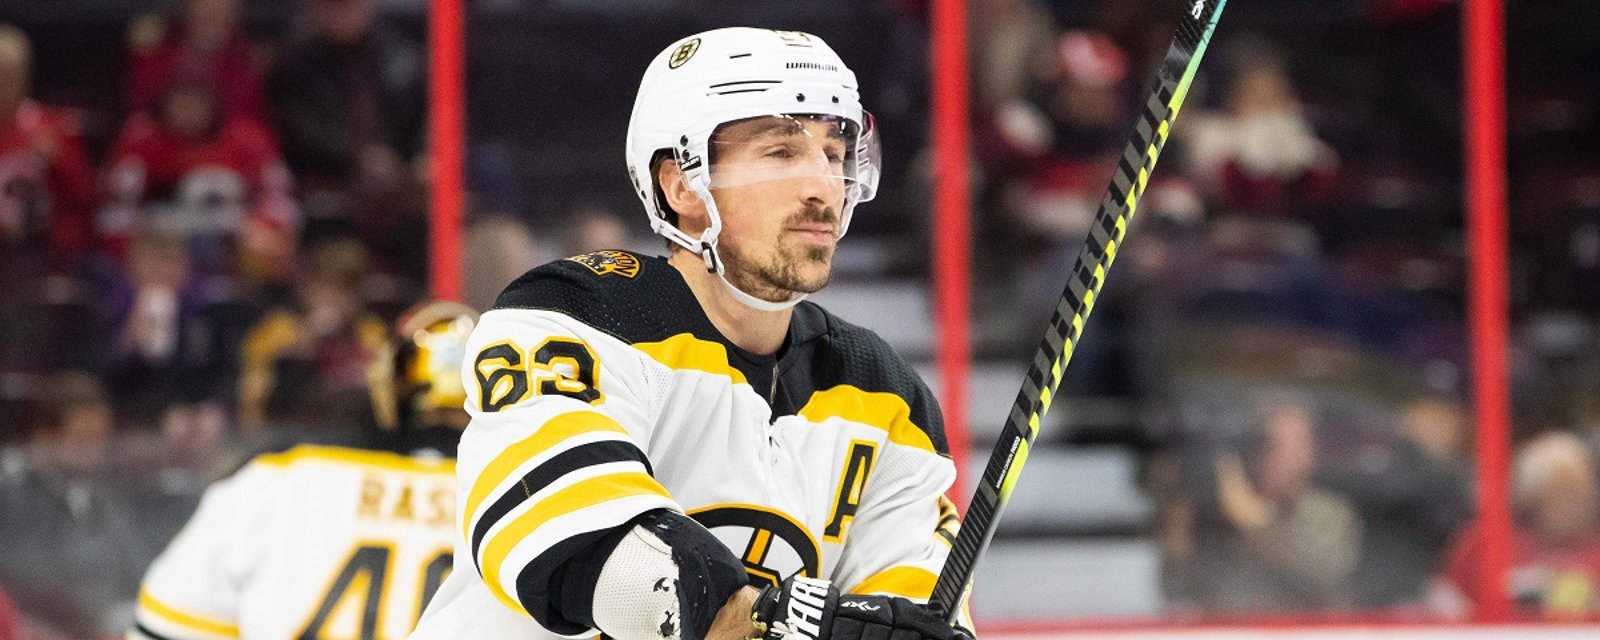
(833, 158)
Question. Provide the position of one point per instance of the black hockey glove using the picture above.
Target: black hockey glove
(810, 609)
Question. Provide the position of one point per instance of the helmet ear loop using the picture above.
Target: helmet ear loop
(659, 207)
(700, 183)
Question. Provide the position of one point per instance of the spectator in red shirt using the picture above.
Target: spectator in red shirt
(187, 168)
(1066, 135)
(1555, 547)
(204, 44)
(1261, 154)
(46, 182)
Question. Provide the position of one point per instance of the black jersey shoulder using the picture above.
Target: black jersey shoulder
(632, 297)
(845, 353)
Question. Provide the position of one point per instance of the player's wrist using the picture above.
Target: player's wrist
(734, 620)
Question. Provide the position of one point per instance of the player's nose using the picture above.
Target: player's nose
(821, 180)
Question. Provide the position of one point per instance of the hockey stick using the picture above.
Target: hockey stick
(1171, 86)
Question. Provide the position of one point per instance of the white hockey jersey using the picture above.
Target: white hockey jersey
(600, 390)
(314, 542)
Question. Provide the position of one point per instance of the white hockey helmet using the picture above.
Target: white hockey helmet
(732, 74)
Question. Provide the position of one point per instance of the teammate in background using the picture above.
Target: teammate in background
(321, 541)
(681, 447)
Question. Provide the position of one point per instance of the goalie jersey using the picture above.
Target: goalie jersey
(313, 542)
(600, 390)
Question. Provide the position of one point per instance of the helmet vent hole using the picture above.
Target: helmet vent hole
(799, 97)
(836, 99)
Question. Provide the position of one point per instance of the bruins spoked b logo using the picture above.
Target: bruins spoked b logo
(772, 545)
(603, 263)
(684, 52)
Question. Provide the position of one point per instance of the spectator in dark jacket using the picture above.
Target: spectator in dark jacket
(166, 361)
(349, 106)
(73, 551)
(1412, 500)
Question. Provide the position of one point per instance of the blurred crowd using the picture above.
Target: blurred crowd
(1289, 310)
(180, 286)
(207, 266)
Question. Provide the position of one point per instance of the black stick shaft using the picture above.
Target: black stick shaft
(1157, 114)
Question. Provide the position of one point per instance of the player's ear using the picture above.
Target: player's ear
(675, 191)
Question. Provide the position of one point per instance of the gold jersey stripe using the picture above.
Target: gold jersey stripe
(582, 494)
(686, 352)
(553, 432)
(394, 461)
(908, 582)
(198, 623)
(876, 409)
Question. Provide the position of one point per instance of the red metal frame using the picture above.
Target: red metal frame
(447, 143)
(951, 224)
(1483, 60)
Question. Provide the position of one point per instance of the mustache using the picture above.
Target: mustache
(815, 214)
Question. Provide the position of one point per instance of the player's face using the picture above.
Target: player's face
(780, 192)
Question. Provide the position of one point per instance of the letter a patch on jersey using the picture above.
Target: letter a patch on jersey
(852, 483)
(609, 262)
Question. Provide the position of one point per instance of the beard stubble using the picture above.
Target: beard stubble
(780, 277)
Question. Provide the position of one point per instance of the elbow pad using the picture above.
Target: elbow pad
(666, 579)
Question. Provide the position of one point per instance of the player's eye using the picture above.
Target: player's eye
(835, 151)
(780, 152)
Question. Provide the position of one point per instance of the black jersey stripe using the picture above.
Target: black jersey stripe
(542, 587)
(579, 457)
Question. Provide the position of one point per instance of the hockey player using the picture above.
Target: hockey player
(680, 447)
(322, 541)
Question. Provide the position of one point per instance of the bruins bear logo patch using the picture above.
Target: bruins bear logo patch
(608, 262)
(684, 52)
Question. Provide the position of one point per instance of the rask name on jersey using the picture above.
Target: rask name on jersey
(597, 394)
(402, 500)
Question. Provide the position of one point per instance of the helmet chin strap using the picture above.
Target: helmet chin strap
(747, 299)
(714, 263)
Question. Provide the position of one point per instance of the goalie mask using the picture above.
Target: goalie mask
(415, 378)
(788, 85)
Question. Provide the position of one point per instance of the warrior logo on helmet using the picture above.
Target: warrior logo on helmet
(684, 52)
(607, 262)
